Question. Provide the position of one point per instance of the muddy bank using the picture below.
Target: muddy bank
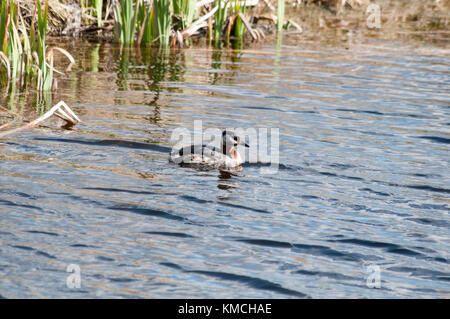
(426, 20)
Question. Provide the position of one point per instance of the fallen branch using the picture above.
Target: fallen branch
(200, 23)
(60, 110)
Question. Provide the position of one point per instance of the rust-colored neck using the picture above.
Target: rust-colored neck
(232, 153)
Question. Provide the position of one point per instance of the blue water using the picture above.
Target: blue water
(363, 182)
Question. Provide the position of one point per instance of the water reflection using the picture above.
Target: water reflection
(95, 57)
(20, 101)
(216, 65)
(124, 69)
(226, 181)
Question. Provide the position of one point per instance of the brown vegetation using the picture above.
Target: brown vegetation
(313, 16)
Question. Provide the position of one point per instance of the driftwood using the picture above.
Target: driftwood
(60, 110)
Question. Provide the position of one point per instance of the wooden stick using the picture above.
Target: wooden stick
(200, 23)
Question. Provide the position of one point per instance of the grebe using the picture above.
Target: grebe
(204, 156)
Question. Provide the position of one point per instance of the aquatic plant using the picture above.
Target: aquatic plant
(165, 20)
(10, 45)
(239, 27)
(125, 16)
(145, 24)
(280, 15)
(185, 11)
(163, 17)
(219, 18)
(95, 6)
(99, 10)
(38, 45)
(24, 55)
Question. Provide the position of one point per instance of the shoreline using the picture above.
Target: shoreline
(319, 20)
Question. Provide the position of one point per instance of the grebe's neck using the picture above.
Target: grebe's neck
(232, 152)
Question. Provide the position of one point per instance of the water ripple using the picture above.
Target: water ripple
(362, 177)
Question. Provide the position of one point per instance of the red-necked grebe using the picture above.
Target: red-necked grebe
(204, 156)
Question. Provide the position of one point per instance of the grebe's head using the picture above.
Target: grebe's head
(229, 139)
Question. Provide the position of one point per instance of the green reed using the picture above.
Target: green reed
(10, 45)
(219, 18)
(160, 20)
(163, 18)
(145, 24)
(185, 10)
(23, 57)
(142, 23)
(38, 45)
(98, 4)
(23, 54)
(126, 18)
(239, 27)
(280, 15)
(93, 5)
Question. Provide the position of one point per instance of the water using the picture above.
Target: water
(362, 185)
